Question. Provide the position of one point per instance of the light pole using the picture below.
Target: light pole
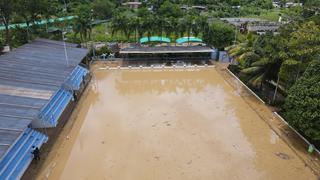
(91, 21)
(235, 30)
(65, 5)
(65, 47)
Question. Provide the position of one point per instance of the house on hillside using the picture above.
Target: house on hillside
(255, 25)
(292, 4)
(199, 8)
(132, 4)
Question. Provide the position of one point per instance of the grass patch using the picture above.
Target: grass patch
(270, 15)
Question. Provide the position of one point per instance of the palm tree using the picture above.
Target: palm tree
(259, 59)
(242, 48)
(82, 27)
(202, 22)
(174, 24)
(121, 22)
(189, 25)
(82, 24)
(6, 10)
(145, 22)
(168, 26)
(182, 28)
(135, 25)
(260, 71)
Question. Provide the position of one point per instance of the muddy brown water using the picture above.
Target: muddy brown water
(168, 124)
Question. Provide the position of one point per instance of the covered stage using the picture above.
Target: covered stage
(165, 50)
(165, 54)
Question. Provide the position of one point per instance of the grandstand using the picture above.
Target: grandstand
(147, 55)
(36, 86)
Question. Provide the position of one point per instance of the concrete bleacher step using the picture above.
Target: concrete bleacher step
(20, 155)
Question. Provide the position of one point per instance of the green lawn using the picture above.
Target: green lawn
(271, 15)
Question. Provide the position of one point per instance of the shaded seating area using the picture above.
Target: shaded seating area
(33, 94)
(77, 77)
(51, 113)
(166, 55)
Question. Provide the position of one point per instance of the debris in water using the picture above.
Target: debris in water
(167, 123)
(283, 155)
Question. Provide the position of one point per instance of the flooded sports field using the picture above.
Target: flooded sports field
(179, 124)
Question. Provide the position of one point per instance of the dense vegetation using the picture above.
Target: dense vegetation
(303, 102)
(166, 16)
(169, 20)
(288, 60)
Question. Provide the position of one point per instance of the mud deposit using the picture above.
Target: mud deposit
(169, 124)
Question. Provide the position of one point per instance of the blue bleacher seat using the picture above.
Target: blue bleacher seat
(76, 77)
(55, 107)
(19, 156)
(52, 111)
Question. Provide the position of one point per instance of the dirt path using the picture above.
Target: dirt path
(169, 124)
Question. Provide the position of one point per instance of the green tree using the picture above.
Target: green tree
(82, 24)
(303, 102)
(311, 8)
(219, 35)
(143, 20)
(169, 9)
(103, 9)
(303, 45)
(30, 11)
(121, 22)
(6, 10)
(237, 50)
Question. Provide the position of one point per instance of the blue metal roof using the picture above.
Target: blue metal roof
(188, 39)
(155, 39)
(29, 76)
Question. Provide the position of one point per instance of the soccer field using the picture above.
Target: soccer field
(177, 124)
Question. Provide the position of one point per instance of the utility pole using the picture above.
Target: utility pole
(65, 48)
(235, 30)
(65, 5)
(276, 90)
(92, 44)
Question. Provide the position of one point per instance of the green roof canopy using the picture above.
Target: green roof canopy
(155, 39)
(41, 22)
(188, 39)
